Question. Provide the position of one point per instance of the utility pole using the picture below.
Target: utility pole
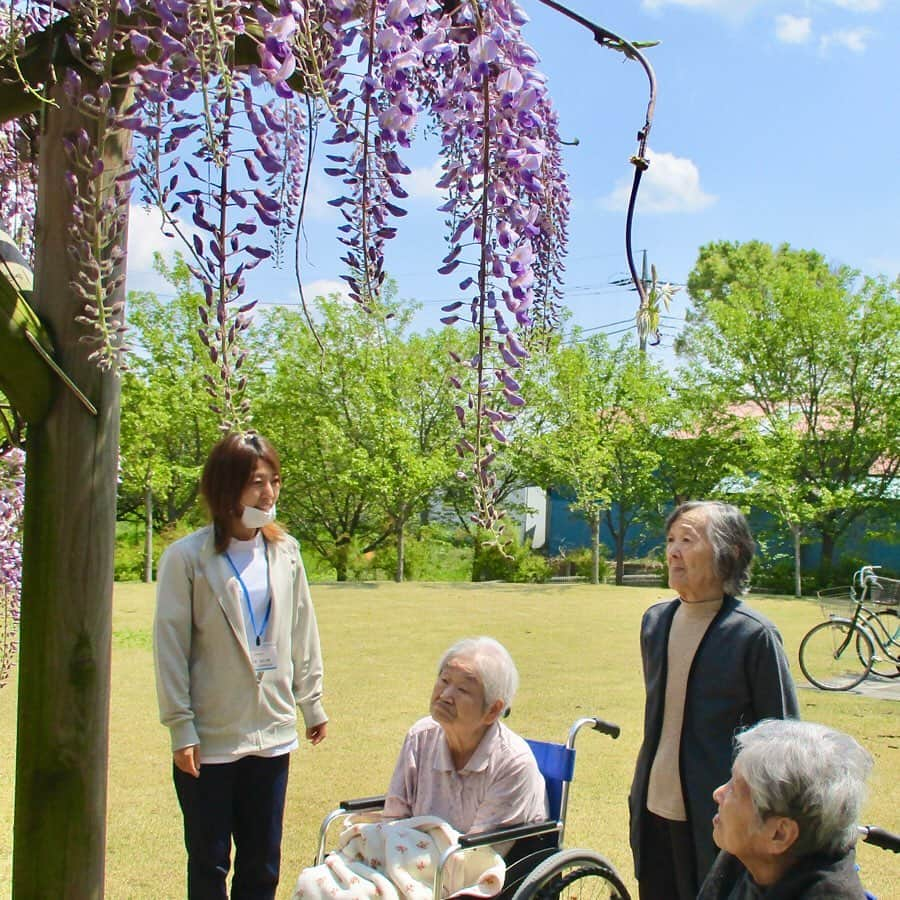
(644, 308)
(645, 299)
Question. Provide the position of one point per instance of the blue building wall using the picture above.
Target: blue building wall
(568, 530)
(864, 540)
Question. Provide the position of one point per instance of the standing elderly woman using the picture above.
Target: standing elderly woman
(462, 763)
(712, 666)
(236, 650)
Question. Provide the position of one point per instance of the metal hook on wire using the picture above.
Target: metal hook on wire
(632, 50)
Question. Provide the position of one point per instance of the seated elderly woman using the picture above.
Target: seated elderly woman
(787, 818)
(460, 770)
(462, 763)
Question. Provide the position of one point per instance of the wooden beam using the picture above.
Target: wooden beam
(47, 54)
(25, 378)
(67, 575)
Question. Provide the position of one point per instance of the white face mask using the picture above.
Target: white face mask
(252, 517)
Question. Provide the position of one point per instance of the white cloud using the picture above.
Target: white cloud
(793, 29)
(421, 182)
(853, 39)
(670, 185)
(145, 238)
(323, 188)
(325, 287)
(862, 6)
(730, 8)
(735, 9)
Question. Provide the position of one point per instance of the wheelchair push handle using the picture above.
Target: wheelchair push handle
(605, 727)
(886, 840)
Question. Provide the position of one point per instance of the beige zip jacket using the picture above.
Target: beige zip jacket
(208, 691)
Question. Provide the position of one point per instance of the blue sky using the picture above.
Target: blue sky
(775, 120)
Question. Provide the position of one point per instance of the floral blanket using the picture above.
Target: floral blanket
(396, 860)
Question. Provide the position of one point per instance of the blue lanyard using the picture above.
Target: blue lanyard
(259, 632)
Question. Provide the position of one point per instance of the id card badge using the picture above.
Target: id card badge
(264, 657)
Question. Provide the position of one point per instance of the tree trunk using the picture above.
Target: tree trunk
(827, 562)
(798, 576)
(67, 574)
(595, 548)
(148, 535)
(618, 531)
(341, 562)
(401, 551)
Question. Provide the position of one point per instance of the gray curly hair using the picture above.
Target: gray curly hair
(729, 534)
(809, 773)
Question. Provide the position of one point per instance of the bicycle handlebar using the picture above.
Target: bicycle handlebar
(865, 576)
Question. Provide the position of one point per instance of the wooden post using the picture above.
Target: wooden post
(67, 579)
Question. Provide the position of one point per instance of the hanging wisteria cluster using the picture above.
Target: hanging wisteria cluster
(12, 497)
(224, 100)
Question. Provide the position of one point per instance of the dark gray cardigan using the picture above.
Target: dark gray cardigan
(815, 877)
(739, 676)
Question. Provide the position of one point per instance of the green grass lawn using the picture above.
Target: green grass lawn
(577, 650)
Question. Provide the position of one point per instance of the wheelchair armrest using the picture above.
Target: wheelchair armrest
(511, 833)
(363, 803)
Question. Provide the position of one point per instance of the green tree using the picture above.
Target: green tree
(697, 445)
(781, 335)
(364, 423)
(774, 482)
(597, 441)
(167, 426)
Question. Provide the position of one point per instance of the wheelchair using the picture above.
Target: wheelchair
(537, 867)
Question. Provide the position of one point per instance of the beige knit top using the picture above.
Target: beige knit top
(664, 794)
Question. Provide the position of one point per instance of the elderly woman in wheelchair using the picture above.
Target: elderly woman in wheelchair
(466, 791)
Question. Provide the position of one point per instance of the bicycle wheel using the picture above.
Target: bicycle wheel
(884, 626)
(829, 656)
(573, 875)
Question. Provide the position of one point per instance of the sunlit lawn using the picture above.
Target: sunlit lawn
(577, 650)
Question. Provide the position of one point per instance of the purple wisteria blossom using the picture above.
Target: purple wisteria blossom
(222, 150)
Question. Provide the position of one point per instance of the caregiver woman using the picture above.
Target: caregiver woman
(236, 650)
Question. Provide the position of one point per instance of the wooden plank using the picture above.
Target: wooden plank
(67, 579)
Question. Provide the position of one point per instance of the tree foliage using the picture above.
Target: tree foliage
(364, 424)
(601, 411)
(167, 426)
(777, 335)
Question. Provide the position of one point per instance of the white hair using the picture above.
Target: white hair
(493, 665)
(809, 773)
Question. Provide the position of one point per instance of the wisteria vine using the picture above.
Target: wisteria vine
(217, 103)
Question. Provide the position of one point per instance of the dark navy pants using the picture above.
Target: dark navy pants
(667, 860)
(244, 801)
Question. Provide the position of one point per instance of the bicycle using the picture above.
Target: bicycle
(838, 654)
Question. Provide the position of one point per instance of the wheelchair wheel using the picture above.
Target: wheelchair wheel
(573, 875)
(836, 655)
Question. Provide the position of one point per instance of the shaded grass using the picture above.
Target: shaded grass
(577, 650)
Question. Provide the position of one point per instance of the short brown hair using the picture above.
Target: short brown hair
(229, 467)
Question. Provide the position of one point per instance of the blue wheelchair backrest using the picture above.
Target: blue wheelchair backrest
(557, 765)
